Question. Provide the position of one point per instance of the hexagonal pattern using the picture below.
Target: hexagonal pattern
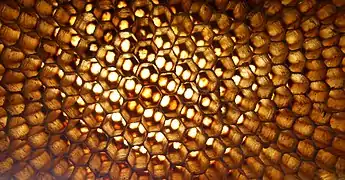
(172, 89)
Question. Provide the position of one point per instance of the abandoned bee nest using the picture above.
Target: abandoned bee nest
(176, 89)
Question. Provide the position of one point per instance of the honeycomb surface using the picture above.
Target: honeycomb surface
(178, 89)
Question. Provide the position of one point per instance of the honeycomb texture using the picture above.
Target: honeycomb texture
(176, 89)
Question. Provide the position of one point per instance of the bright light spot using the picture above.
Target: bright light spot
(165, 101)
(159, 137)
(167, 45)
(186, 75)
(225, 130)
(179, 70)
(72, 20)
(240, 119)
(238, 99)
(130, 84)
(143, 53)
(75, 40)
(127, 65)
(114, 96)
(171, 86)
(125, 45)
(145, 73)
(160, 62)
(90, 29)
(79, 81)
(148, 113)
(97, 89)
(113, 76)
(98, 108)
(200, 43)
(209, 141)
(207, 121)
(159, 42)
(188, 94)
(175, 124)
(203, 82)
(177, 145)
(147, 93)
(139, 13)
(192, 132)
(158, 116)
(205, 101)
(218, 51)
(106, 16)
(202, 63)
(88, 7)
(236, 79)
(190, 113)
(124, 25)
(168, 66)
(235, 59)
(95, 68)
(142, 149)
(218, 72)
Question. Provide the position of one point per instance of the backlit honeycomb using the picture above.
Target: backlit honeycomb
(176, 89)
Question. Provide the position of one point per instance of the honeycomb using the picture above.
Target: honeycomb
(172, 89)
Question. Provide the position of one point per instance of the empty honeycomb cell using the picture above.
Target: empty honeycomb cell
(230, 113)
(270, 155)
(197, 162)
(211, 125)
(158, 166)
(223, 46)
(253, 167)
(217, 169)
(95, 164)
(267, 132)
(168, 83)
(24, 171)
(6, 164)
(194, 139)
(337, 143)
(278, 52)
(263, 87)
(233, 157)
(322, 136)
(188, 92)
(173, 129)
(303, 127)
(58, 145)
(20, 150)
(336, 99)
(228, 90)
(56, 122)
(62, 168)
(273, 173)
(10, 34)
(156, 143)
(135, 133)
(306, 149)
(290, 163)
(248, 123)
(339, 167)
(336, 122)
(153, 120)
(171, 105)
(209, 103)
(138, 157)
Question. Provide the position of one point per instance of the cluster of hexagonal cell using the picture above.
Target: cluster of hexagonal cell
(176, 89)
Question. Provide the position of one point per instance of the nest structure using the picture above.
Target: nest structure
(178, 89)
